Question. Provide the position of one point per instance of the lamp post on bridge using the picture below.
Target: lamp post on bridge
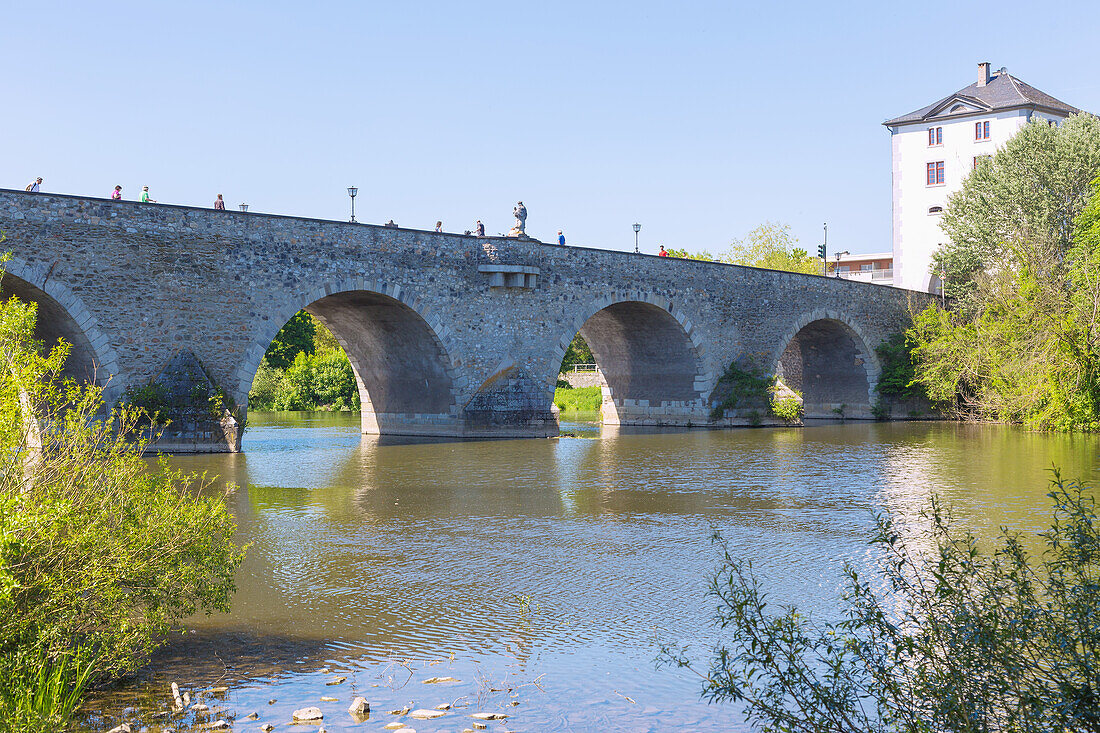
(838, 256)
(637, 228)
(244, 208)
(352, 190)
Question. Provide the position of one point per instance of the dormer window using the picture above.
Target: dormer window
(935, 209)
(981, 130)
(958, 108)
(935, 136)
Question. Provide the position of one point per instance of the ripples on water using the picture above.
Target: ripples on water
(561, 561)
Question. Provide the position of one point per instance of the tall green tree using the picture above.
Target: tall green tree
(770, 245)
(296, 337)
(1018, 208)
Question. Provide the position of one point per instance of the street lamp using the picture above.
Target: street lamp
(838, 256)
(244, 207)
(352, 190)
(637, 228)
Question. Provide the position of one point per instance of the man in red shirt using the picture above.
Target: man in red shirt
(663, 252)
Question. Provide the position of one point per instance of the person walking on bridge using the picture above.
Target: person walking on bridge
(439, 226)
(663, 252)
(116, 195)
(34, 186)
(145, 196)
(561, 238)
(479, 230)
(219, 203)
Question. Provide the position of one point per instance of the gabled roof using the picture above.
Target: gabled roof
(1003, 91)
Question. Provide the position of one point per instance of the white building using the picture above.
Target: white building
(936, 147)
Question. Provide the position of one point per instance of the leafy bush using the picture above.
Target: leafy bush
(788, 409)
(744, 389)
(898, 369)
(99, 553)
(581, 399)
(948, 637)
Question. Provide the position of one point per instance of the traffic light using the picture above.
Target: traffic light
(821, 251)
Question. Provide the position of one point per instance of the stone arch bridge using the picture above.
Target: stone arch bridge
(448, 334)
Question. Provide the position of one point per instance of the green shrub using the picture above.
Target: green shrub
(788, 409)
(99, 553)
(743, 389)
(581, 399)
(949, 635)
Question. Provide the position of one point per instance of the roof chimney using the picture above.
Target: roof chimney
(983, 73)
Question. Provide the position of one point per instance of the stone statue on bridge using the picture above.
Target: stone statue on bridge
(520, 212)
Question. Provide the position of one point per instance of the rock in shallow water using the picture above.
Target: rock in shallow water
(267, 727)
(124, 728)
(311, 713)
(337, 681)
(252, 716)
(437, 680)
(216, 725)
(489, 716)
(330, 699)
(426, 714)
(393, 726)
(359, 706)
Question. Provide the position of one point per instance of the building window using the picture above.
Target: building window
(979, 158)
(981, 130)
(935, 136)
(935, 209)
(843, 268)
(935, 173)
(866, 268)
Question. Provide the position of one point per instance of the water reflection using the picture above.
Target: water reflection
(565, 557)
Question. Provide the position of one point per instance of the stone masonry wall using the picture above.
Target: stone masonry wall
(146, 281)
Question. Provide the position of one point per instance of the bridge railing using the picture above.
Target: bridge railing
(586, 368)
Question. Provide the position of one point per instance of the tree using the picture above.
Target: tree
(577, 353)
(100, 553)
(770, 245)
(949, 637)
(1026, 349)
(1019, 205)
(294, 338)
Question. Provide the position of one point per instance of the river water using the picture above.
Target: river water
(544, 575)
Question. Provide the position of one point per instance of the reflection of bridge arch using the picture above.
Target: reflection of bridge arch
(62, 315)
(651, 358)
(826, 356)
(400, 363)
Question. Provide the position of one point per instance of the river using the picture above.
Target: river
(547, 573)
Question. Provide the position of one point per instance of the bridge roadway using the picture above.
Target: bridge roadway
(448, 334)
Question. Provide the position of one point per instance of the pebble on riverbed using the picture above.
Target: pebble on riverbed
(267, 727)
(488, 716)
(330, 699)
(124, 728)
(216, 725)
(393, 726)
(337, 681)
(437, 680)
(252, 716)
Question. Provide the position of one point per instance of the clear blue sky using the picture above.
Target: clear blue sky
(698, 120)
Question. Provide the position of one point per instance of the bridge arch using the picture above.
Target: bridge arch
(62, 314)
(651, 358)
(396, 348)
(826, 356)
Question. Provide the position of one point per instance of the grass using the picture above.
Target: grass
(582, 399)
